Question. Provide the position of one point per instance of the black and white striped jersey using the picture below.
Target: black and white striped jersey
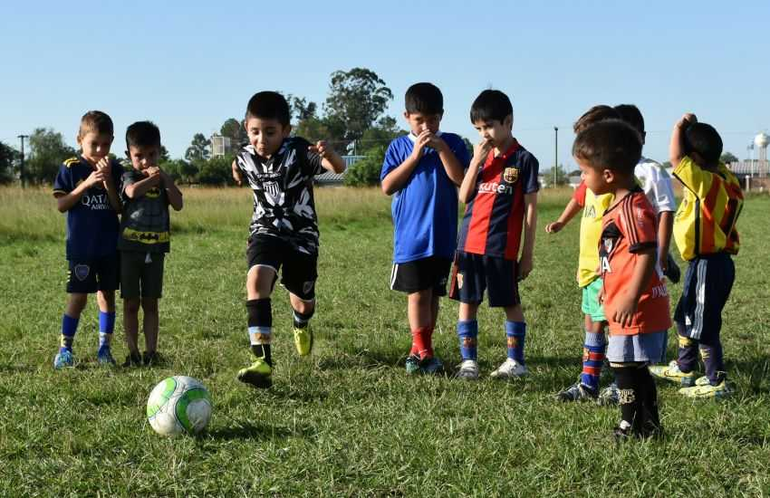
(283, 193)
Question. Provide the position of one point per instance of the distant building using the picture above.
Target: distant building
(221, 145)
(332, 178)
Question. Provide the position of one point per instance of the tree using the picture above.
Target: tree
(382, 134)
(728, 157)
(164, 157)
(8, 156)
(180, 170)
(366, 172)
(301, 109)
(233, 129)
(356, 99)
(313, 130)
(216, 171)
(47, 152)
(557, 176)
(199, 149)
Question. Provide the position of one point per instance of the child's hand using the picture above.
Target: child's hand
(237, 173)
(686, 120)
(322, 148)
(105, 167)
(624, 311)
(554, 227)
(96, 177)
(437, 143)
(423, 140)
(481, 150)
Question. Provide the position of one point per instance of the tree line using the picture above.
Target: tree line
(352, 118)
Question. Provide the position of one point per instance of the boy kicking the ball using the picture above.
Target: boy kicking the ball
(284, 228)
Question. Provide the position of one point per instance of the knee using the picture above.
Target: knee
(131, 306)
(304, 307)
(77, 303)
(150, 306)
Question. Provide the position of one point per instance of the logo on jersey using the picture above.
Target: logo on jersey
(510, 175)
(495, 188)
(590, 212)
(459, 280)
(308, 286)
(81, 272)
(153, 193)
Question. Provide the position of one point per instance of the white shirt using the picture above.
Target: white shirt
(656, 183)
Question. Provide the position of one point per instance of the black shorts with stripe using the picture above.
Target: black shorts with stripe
(707, 285)
(472, 274)
(421, 274)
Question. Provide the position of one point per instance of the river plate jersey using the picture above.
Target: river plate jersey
(92, 223)
(494, 217)
(282, 187)
(629, 227)
(705, 221)
(145, 225)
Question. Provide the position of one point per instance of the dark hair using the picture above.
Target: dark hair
(491, 105)
(594, 115)
(705, 140)
(631, 115)
(97, 122)
(609, 144)
(143, 134)
(424, 98)
(269, 105)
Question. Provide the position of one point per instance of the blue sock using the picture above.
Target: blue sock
(69, 326)
(516, 332)
(106, 327)
(467, 332)
(593, 359)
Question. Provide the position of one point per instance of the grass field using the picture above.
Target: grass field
(347, 421)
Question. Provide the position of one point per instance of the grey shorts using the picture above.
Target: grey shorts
(141, 274)
(640, 348)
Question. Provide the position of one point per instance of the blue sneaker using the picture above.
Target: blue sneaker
(104, 357)
(63, 359)
(431, 366)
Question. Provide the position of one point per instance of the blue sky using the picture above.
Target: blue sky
(188, 66)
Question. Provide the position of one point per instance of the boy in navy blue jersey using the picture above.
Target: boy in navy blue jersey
(422, 171)
(500, 192)
(86, 188)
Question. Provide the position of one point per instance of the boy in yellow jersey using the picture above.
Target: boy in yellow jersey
(593, 206)
(705, 233)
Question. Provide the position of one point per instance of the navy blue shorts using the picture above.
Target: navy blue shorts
(86, 276)
(707, 285)
(472, 274)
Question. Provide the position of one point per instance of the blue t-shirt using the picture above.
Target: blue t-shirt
(425, 209)
(92, 223)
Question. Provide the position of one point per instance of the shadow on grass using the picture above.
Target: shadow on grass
(366, 359)
(259, 432)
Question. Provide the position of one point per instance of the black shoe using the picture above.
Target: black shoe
(133, 360)
(152, 359)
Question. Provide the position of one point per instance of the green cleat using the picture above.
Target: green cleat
(412, 364)
(303, 340)
(259, 374)
(672, 373)
(63, 359)
(704, 389)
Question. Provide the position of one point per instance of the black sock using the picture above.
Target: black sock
(301, 319)
(628, 396)
(650, 425)
(262, 351)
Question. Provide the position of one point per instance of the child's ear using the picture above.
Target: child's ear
(508, 122)
(406, 115)
(608, 175)
(286, 130)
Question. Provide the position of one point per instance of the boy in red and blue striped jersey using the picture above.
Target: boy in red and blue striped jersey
(500, 191)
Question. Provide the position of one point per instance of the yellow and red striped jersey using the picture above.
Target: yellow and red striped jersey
(705, 221)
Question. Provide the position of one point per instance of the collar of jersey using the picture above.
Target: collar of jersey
(504, 156)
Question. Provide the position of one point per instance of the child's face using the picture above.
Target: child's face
(266, 135)
(595, 179)
(95, 146)
(499, 133)
(143, 157)
(419, 122)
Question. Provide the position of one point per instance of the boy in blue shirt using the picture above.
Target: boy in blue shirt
(422, 171)
(86, 189)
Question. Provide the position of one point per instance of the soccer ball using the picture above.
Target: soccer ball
(179, 404)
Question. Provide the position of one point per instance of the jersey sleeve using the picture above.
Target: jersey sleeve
(638, 224)
(531, 170)
(393, 159)
(460, 151)
(63, 182)
(580, 194)
(128, 178)
(693, 177)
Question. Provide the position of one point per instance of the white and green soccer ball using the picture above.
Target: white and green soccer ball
(179, 404)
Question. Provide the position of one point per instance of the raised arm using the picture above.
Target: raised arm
(138, 189)
(172, 191)
(452, 166)
(676, 145)
(66, 201)
(330, 160)
(467, 187)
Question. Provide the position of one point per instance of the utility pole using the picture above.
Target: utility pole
(21, 164)
(555, 152)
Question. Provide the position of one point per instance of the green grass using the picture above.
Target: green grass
(347, 421)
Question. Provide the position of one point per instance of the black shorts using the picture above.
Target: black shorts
(300, 270)
(472, 274)
(86, 276)
(141, 274)
(421, 274)
(707, 285)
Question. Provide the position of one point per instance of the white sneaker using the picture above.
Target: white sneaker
(510, 369)
(469, 370)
